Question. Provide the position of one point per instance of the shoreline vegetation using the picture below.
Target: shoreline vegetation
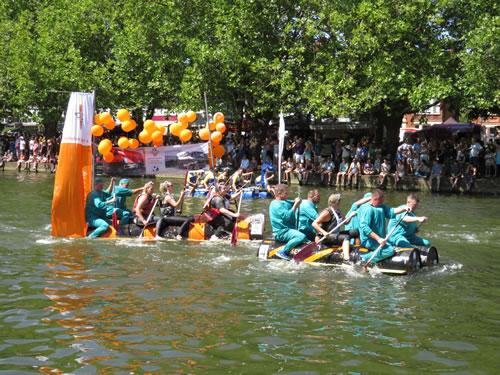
(484, 186)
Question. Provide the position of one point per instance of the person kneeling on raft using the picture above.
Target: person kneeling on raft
(168, 210)
(330, 218)
(121, 192)
(144, 205)
(372, 230)
(284, 221)
(405, 234)
(219, 217)
(308, 213)
(95, 209)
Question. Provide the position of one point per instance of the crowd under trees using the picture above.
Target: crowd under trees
(363, 59)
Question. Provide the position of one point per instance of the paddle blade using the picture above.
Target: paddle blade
(115, 220)
(234, 235)
(305, 252)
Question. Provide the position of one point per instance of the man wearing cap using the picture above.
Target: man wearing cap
(121, 192)
(95, 209)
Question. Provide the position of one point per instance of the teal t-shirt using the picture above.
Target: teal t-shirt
(408, 230)
(96, 206)
(282, 216)
(308, 213)
(372, 219)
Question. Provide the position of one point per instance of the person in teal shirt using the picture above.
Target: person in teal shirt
(121, 192)
(308, 212)
(96, 207)
(372, 230)
(283, 221)
(354, 223)
(405, 233)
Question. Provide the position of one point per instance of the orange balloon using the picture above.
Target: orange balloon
(123, 142)
(110, 125)
(220, 127)
(218, 117)
(158, 143)
(212, 125)
(184, 125)
(97, 130)
(157, 136)
(123, 115)
(108, 157)
(133, 143)
(150, 126)
(161, 128)
(216, 137)
(203, 134)
(134, 124)
(219, 151)
(127, 126)
(175, 129)
(185, 135)
(97, 119)
(105, 118)
(105, 146)
(191, 116)
(182, 117)
(145, 137)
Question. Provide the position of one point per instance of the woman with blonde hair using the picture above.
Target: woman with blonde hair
(168, 209)
(330, 218)
(144, 206)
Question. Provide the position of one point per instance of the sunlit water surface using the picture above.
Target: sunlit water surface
(130, 307)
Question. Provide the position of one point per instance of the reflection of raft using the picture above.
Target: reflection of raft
(250, 227)
(405, 261)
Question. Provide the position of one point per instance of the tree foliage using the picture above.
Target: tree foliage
(367, 59)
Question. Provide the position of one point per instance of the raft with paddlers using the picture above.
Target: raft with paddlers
(405, 261)
(250, 228)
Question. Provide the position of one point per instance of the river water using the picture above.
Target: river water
(130, 307)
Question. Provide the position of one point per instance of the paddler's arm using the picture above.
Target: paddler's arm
(138, 209)
(415, 219)
(323, 216)
(111, 184)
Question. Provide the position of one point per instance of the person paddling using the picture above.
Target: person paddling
(168, 210)
(144, 206)
(121, 192)
(220, 218)
(405, 234)
(330, 218)
(95, 209)
(283, 220)
(372, 217)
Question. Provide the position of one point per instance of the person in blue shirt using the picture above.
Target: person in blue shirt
(95, 209)
(283, 220)
(353, 224)
(372, 229)
(121, 192)
(405, 234)
(308, 213)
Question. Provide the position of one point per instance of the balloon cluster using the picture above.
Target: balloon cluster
(180, 129)
(105, 119)
(214, 135)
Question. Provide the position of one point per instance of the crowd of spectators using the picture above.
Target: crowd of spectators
(339, 162)
(29, 151)
(342, 163)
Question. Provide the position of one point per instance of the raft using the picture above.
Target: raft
(404, 262)
(251, 227)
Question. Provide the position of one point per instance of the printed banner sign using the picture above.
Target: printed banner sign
(157, 160)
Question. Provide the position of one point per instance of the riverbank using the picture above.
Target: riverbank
(486, 186)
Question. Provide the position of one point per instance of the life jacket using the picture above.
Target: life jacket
(147, 209)
(211, 213)
(335, 219)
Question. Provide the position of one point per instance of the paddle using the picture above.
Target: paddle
(149, 218)
(115, 220)
(385, 239)
(185, 182)
(307, 250)
(234, 235)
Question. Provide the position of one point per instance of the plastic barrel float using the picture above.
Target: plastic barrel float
(250, 228)
(405, 261)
